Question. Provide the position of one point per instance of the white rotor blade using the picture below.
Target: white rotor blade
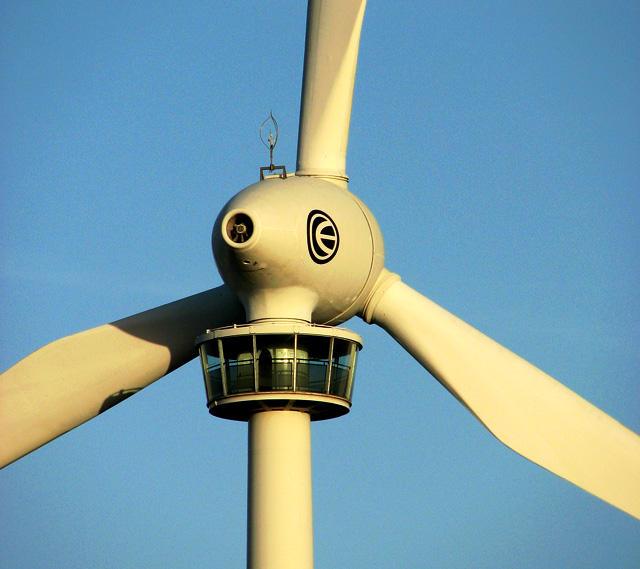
(331, 55)
(523, 407)
(71, 380)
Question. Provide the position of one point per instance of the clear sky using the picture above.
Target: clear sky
(498, 145)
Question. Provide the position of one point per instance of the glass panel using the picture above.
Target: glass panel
(238, 361)
(352, 376)
(211, 368)
(215, 390)
(313, 356)
(275, 362)
(340, 367)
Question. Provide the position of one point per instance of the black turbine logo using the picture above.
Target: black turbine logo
(322, 237)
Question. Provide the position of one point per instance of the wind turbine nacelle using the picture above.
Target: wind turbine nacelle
(298, 248)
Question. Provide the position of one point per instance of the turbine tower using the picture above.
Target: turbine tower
(299, 255)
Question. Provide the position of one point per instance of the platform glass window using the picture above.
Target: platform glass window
(341, 362)
(312, 360)
(210, 356)
(238, 364)
(275, 357)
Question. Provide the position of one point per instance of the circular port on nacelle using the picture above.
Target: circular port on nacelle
(239, 228)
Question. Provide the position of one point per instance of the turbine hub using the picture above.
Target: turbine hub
(298, 248)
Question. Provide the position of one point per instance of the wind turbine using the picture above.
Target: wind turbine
(391, 324)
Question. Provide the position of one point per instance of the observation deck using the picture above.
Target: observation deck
(279, 365)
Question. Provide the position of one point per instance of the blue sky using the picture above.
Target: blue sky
(498, 146)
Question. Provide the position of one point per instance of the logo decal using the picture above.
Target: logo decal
(322, 237)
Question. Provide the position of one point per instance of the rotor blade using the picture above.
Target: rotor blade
(523, 407)
(71, 380)
(331, 55)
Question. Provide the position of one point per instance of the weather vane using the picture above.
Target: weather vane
(270, 143)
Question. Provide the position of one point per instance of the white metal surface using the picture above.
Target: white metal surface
(281, 326)
(280, 512)
(331, 54)
(71, 380)
(273, 272)
(523, 407)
